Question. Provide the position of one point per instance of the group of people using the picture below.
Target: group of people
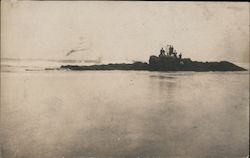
(171, 52)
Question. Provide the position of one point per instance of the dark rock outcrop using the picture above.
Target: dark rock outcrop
(186, 64)
(166, 61)
(156, 64)
(123, 66)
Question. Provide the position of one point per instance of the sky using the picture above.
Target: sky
(124, 31)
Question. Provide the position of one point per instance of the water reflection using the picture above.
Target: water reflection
(124, 114)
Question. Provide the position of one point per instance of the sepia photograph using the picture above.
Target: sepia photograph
(124, 79)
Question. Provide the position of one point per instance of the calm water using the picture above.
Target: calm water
(124, 114)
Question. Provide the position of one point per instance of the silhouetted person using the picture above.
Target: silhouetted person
(175, 55)
(171, 50)
(162, 52)
(180, 55)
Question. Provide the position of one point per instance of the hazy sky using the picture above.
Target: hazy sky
(123, 31)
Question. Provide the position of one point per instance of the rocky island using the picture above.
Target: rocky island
(168, 60)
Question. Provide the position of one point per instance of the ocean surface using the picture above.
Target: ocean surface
(78, 114)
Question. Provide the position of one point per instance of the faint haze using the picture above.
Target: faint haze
(124, 31)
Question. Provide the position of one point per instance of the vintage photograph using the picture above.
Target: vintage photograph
(124, 79)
